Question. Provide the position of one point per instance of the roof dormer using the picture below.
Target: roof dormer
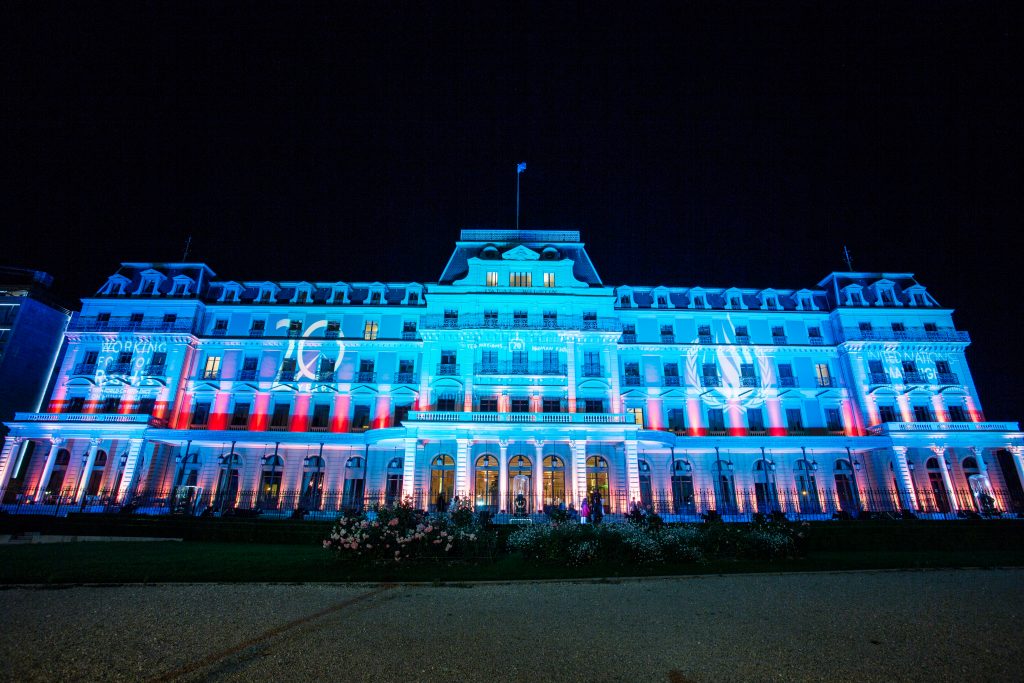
(115, 285)
(303, 293)
(698, 298)
(182, 285)
(550, 253)
(917, 295)
(490, 253)
(734, 299)
(804, 299)
(625, 297)
(853, 295)
(376, 294)
(266, 291)
(230, 292)
(149, 282)
(340, 292)
(661, 297)
(413, 294)
(769, 299)
(885, 293)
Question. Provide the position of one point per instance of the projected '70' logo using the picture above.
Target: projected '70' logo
(307, 352)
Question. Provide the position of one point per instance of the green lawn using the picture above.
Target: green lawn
(241, 562)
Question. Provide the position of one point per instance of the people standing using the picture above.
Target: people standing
(584, 511)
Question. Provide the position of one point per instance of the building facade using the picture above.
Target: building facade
(518, 380)
(32, 326)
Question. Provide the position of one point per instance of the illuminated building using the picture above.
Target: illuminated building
(517, 365)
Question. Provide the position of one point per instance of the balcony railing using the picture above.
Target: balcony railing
(447, 369)
(914, 378)
(286, 376)
(749, 382)
(325, 376)
(827, 382)
(789, 382)
(887, 427)
(246, 374)
(456, 416)
(80, 324)
(294, 333)
(509, 322)
(593, 371)
(742, 338)
(85, 417)
(209, 374)
(710, 381)
(816, 341)
(331, 334)
(514, 368)
(156, 370)
(628, 338)
(219, 331)
(879, 378)
(943, 335)
(705, 339)
(671, 381)
(410, 335)
(119, 368)
(948, 378)
(668, 339)
(368, 377)
(405, 378)
(632, 380)
(85, 369)
(779, 339)
(256, 333)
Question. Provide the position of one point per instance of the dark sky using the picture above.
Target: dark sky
(695, 143)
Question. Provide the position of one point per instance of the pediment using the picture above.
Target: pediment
(520, 253)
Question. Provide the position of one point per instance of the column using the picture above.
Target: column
(579, 471)
(611, 359)
(632, 474)
(8, 461)
(90, 460)
(538, 475)
(570, 357)
(940, 455)
(462, 467)
(904, 482)
(55, 444)
(131, 464)
(503, 475)
(409, 471)
(1018, 460)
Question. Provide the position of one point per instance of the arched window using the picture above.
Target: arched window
(393, 486)
(190, 469)
(764, 486)
(646, 492)
(597, 481)
(485, 488)
(313, 482)
(228, 481)
(939, 499)
(270, 482)
(355, 481)
(442, 481)
(92, 486)
(682, 487)
(520, 484)
(60, 469)
(554, 480)
(725, 487)
(975, 484)
(807, 487)
(846, 493)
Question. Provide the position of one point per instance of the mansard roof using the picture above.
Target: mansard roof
(546, 244)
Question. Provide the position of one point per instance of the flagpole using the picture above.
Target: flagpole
(518, 173)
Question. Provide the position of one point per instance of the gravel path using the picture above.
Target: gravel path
(963, 625)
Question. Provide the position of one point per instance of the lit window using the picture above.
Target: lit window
(824, 376)
(370, 330)
(549, 279)
(636, 415)
(212, 368)
(520, 279)
(492, 278)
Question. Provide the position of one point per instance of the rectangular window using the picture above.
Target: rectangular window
(716, 420)
(170, 318)
(447, 402)
(490, 319)
(636, 416)
(402, 413)
(212, 368)
(923, 414)
(631, 369)
(279, 420)
(365, 365)
(201, 414)
(406, 366)
(794, 419)
(833, 420)
(671, 369)
(814, 332)
(747, 370)
(333, 328)
(361, 418)
(778, 335)
(520, 279)
(710, 369)
(321, 416)
(124, 357)
(942, 367)
(294, 328)
(551, 405)
(75, 405)
(785, 370)
(550, 320)
(957, 414)
(519, 319)
(492, 278)
(409, 327)
(489, 404)
(824, 376)
(593, 405)
(864, 327)
(677, 419)
(755, 420)
(447, 358)
(90, 357)
(220, 325)
(549, 279)
(898, 327)
(240, 417)
(909, 366)
(489, 360)
(370, 330)
(931, 327)
(111, 405)
(520, 404)
(887, 414)
(258, 328)
(875, 367)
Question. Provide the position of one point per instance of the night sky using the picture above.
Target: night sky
(696, 143)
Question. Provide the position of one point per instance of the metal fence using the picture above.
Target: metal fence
(683, 504)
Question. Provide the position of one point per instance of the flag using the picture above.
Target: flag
(521, 167)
